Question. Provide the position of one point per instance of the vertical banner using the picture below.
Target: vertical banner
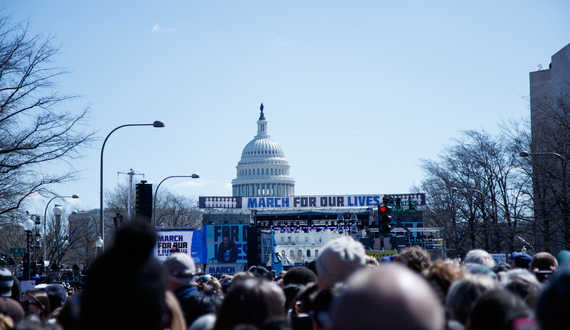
(266, 246)
(225, 243)
(277, 258)
(179, 241)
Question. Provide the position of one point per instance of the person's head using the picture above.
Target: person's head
(6, 282)
(463, 294)
(543, 265)
(37, 301)
(441, 275)
(522, 283)
(554, 301)
(126, 286)
(563, 257)
(481, 257)
(415, 258)
(226, 240)
(251, 301)
(180, 269)
(393, 290)
(11, 308)
(480, 269)
(520, 260)
(496, 310)
(339, 259)
(199, 304)
(299, 275)
(56, 294)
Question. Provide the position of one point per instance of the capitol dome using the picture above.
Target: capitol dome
(263, 169)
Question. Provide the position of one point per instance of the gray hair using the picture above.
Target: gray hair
(481, 257)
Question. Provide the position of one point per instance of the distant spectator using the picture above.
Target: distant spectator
(554, 301)
(11, 308)
(463, 294)
(496, 310)
(522, 283)
(6, 282)
(480, 269)
(415, 258)
(563, 257)
(500, 270)
(37, 302)
(180, 269)
(291, 291)
(339, 259)
(199, 304)
(481, 257)
(299, 275)
(520, 260)
(543, 265)
(441, 275)
(387, 290)
(56, 294)
(252, 301)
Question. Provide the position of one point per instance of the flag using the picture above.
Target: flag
(277, 258)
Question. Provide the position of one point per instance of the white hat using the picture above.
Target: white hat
(339, 259)
(180, 268)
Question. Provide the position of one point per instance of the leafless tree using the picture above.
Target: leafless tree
(171, 210)
(35, 130)
(476, 191)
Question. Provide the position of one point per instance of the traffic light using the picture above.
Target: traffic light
(384, 218)
(143, 200)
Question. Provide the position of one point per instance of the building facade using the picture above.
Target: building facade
(262, 169)
(550, 152)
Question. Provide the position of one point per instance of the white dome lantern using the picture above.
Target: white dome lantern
(263, 169)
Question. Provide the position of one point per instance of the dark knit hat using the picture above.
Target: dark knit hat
(521, 260)
(125, 287)
(56, 294)
(6, 282)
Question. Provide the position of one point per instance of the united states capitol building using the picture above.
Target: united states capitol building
(263, 196)
(263, 169)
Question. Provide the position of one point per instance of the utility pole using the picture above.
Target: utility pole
(130, 173)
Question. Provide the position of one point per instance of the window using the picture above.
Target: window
(316, 253)
(308, 253)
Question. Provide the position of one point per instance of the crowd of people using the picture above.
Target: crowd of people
(344, 289)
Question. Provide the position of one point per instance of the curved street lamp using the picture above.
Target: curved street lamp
(75, 212)
(193, 176)
(525, 153)
(156, 124)
(45, 219)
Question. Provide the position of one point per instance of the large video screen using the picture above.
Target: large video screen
(225, 243)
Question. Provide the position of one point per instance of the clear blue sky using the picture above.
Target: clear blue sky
(355, 92)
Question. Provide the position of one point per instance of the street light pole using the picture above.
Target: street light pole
(45, 219)
(193, 176)
(156, 124)
(28, 226)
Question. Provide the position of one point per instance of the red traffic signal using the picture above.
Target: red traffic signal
(384, 213)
